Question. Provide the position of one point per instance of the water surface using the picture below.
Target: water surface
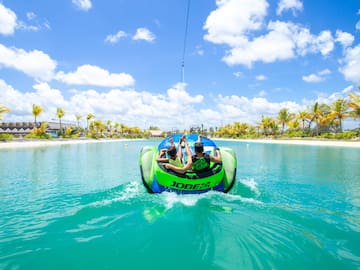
(83, 206)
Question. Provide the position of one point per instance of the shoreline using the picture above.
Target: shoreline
(54, 142)
(353, 144)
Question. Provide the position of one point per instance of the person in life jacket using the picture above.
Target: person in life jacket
(199, 161)
(175, 158)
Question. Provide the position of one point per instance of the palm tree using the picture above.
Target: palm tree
(122, 129)
(317, 113)
(78, 118)
(294, 125)
(284, 118)
(116, 127)
(3, 109)
(339, 111)
(98, 127)
(303, 116)
(109, 126)
(88, 118)
(36, 111)
(60, 113)
(354, 104)
(267, 124)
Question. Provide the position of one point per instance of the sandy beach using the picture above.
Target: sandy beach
(43, 143)
(302, 142)
(54, 142)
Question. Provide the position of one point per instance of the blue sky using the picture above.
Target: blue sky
(121, 60)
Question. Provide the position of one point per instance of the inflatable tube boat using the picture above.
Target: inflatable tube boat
(218, 176)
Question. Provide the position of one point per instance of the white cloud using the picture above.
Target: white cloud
(34, 63)
(325, 42)
(232, 19)
(41, 67)
(312, 78)
(237, 24)
(351, 64)
(21, 103)
(93, 75)
(243, 109)
(346, 39)
(144, 34)
(261, 77)
(115, 38)
(324, 72)
(33, 23)
(83, 4)
(357, 26)
(176, 108)
(133, 108)
(277, 45)
(317, 77)
(285, 5)
(7, 20)
(348, 89)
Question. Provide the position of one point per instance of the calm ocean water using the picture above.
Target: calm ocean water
(83, 206)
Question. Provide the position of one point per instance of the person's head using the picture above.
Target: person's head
(172, 151)
(198, 147)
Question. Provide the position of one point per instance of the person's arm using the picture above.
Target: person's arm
(217, 158)
(179, 169)
(188, 164)
(160, 158)
(179, 152)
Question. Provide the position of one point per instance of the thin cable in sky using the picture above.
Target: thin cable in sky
(185, 39)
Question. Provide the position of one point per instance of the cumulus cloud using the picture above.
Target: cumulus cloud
(36, 64)
(41, 67)
(250, 110)
(285, 5)
(93, 75)
(144, 34)
(344, 38)
(115, 38)
(21, 103)
(7, 20)
(170, 110)
(317, 77)
(82, 4)
(351, 64)
(176, 108)
(241, 26)
(232, 19)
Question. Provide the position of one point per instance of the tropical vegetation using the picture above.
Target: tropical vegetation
(36, 111)
(319, 120)
(3, 109)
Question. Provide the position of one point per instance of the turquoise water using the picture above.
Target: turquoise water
(83, 206)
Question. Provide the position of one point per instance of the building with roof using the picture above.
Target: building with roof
(22, 128)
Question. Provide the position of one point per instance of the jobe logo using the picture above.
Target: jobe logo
(190, 186)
